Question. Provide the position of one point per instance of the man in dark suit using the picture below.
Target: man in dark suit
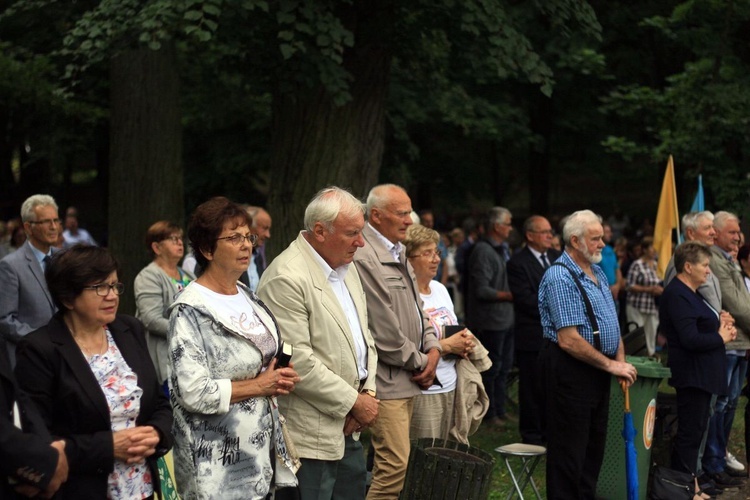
(25, 302)
(525, 271)
(30, 464)
(261, 227)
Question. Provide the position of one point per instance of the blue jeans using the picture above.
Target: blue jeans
(499, 343)
(720, 425)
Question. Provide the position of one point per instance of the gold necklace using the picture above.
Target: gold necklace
(89, 353)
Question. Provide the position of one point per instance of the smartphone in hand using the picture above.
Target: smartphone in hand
(284, 356)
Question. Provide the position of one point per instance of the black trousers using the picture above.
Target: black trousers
(530, 404)
(577, 407)
(693, 408)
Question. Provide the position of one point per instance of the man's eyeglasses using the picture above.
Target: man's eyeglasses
(545, 231)
(103, 289)
(237, 239)
(429, 254)
(401, 214)
(46, 222)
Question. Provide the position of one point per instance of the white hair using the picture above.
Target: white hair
(577, 223)
(378, 197)
(721, 218)
(37, 200)
(690, 220)
(327, 204)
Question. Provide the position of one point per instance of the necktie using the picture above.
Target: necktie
(45, 261)
(545, 264)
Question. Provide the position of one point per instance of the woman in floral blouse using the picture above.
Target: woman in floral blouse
(223, 375)
(89, 373)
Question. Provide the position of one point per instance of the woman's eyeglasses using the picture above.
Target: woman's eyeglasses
(103, 289)
(429, 254)
(237, 239)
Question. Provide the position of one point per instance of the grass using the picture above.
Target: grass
(487, 439)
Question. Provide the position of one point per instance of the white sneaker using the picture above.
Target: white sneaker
(733, 463)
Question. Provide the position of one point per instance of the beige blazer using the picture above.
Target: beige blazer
(310, 318)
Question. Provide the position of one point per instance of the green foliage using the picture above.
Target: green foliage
(700, 114)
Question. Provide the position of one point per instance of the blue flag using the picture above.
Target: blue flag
(699, 205)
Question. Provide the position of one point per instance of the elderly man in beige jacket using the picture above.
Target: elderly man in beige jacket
(319, 304)
(408, 350)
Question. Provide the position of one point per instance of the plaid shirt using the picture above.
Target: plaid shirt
(642, 274)
(561, 305)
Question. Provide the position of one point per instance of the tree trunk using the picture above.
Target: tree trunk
(145, 183)
(317, 143)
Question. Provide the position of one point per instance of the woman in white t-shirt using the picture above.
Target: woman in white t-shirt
(433, 409)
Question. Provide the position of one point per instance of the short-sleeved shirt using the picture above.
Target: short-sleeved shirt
(642, 274)
(561, 305)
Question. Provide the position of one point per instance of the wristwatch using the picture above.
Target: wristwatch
(369, 392)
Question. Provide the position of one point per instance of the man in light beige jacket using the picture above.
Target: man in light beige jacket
(408, 350)
(319, 304)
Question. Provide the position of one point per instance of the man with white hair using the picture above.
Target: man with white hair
(578, 359)
(318, 301)
(408, 349)
(25, 301)
(699, 226)
(736, 300)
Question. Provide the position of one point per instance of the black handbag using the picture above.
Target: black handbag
(670, 484)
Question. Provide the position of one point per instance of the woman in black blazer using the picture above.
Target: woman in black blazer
(696, 335)
(90, 374)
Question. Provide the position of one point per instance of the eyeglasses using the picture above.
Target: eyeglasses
(545, 231)
(46, 222)
(400, 213)
(174, 239)
(428, 254)
(237, 239)
(103, 289)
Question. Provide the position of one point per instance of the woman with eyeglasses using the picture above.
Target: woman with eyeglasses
(434, 414)
(89, 373)
(223, 374)
(156, 286)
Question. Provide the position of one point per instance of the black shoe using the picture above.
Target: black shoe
(724, 481)
(708, 486)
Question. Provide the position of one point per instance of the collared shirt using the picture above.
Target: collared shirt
(642, 274)
(336, 279)
(561, 305)
(40, 256)
(538, 256)
(252, 273)
(394, 248)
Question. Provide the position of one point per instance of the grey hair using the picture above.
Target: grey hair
(378, 196)
(327, 204)
(253, 212)
(721, 218)
(37, 200)
(690, 219)
(528, 224)
(577, 222)
(497, 215)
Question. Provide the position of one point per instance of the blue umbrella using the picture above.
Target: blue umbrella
(631, 460)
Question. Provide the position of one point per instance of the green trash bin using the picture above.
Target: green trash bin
(612, 476)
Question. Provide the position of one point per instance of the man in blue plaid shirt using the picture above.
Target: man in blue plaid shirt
(576, 368)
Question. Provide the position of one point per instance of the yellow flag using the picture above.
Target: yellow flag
(667, 220)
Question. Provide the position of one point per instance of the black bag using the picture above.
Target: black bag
(669, 484)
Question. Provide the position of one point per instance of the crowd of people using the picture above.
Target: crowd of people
(261, 373)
